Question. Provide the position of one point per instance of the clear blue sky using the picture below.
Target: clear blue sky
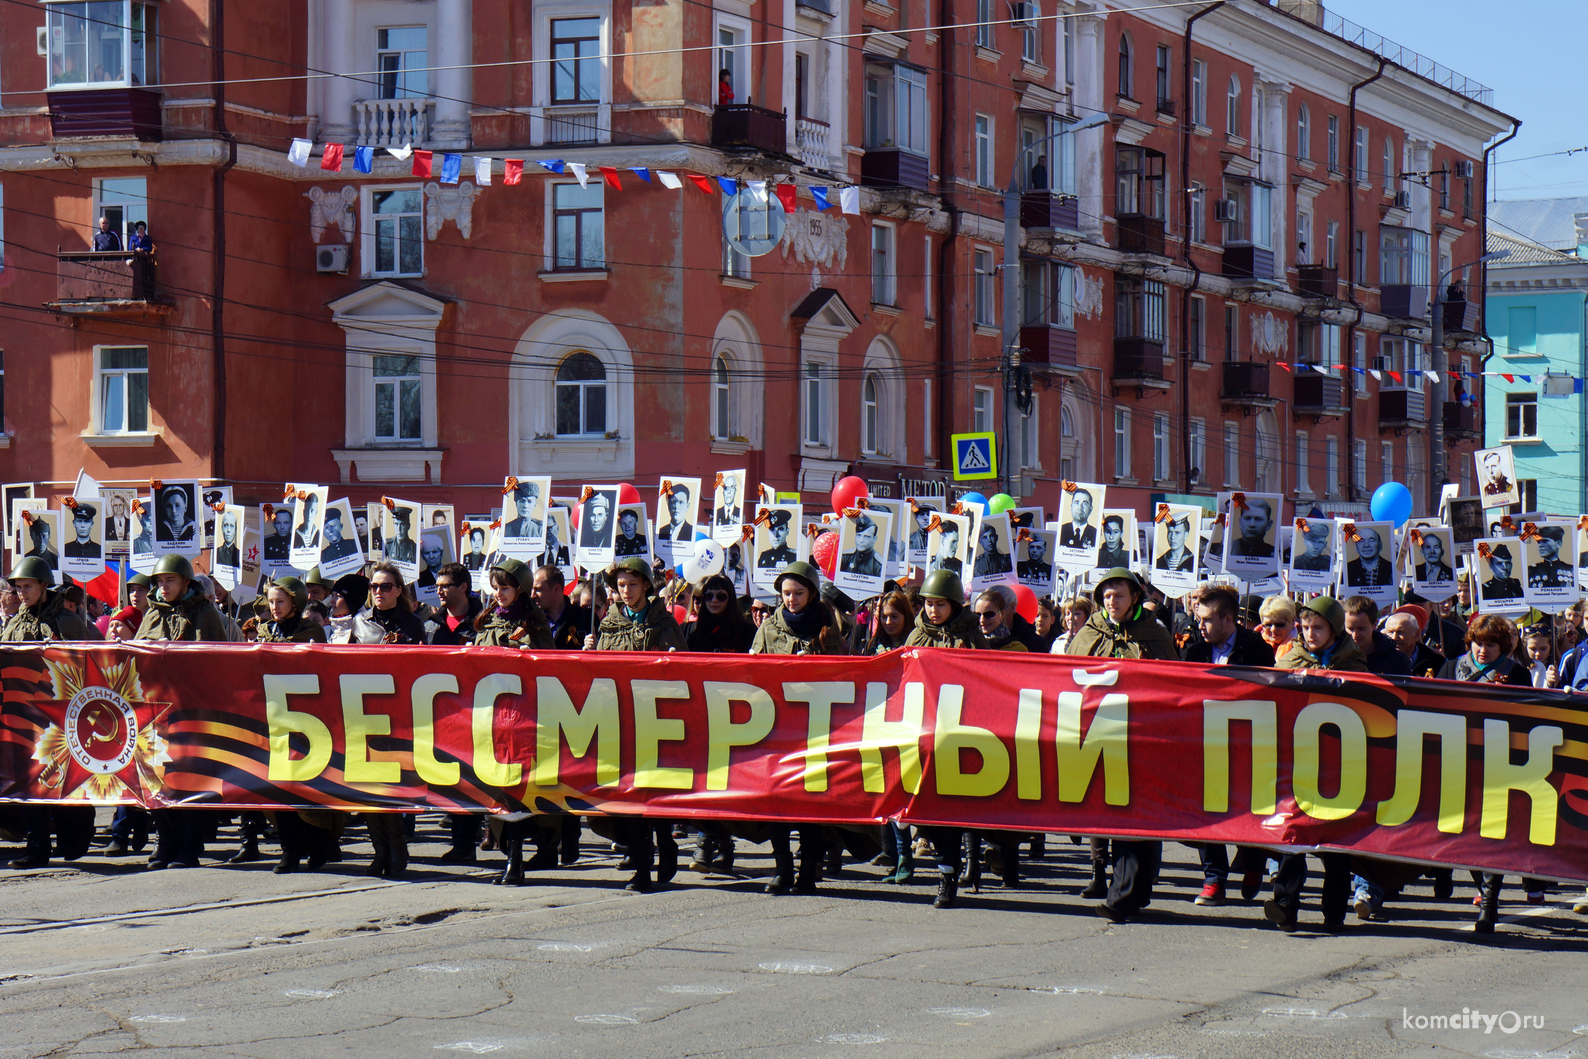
(1528, 51)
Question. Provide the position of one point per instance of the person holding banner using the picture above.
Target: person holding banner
(1488, 658)
(721, 626)
(516, 620)
(570, 624)
(286, 598)
(389, 618)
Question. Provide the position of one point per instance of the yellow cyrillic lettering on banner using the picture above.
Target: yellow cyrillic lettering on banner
(556, 719)
(434, 772)
(1216, 719)
(1500, 778)
(650, 731)
(724, 734)
(820, 697)
(1353, 761)
(358, 726)
(1411, 727)
(1106, 741)
(282, 721)
(1028, 752)
(952, 737)
(903, 736)
(491, 772)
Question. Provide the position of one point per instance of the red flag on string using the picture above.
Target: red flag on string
(1507, 378)
(1395, 375)
(421, 163)
(332, 159)
(1282, 364)
(610, 175)
(513, 170)
(785, 193)
(700, 182)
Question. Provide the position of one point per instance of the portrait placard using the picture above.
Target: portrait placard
(83, 552)
(894, 561)
(253, 554)
(1252, 535)
(948, 545)
(142, 554)
(374, 520)
(177, 529)
(994, 562)
(308, 519)
(1119, 530)
(1175, 531)
(778, 541)
(634, 533)
(340, 553)
(1080, 512)
(1312, 552)
(559, 550)
(727, 506)
(1033, 565)
(1431, 552)
(10, 492)
(862, 543)
(598, 527)
(1497, 476)
(118, 520)
(1368, 570)
(40, 530)
(212, 495)
(399, 533)
(275, 521)
(676, 501)
(1494, 565)
(922, 508)
(226, 556)
(1551, 579)
(525, 499)
(435, 551)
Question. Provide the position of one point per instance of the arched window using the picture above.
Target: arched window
(1303, 133)
(869, 415)
(721, 398)
(581, 396)
(1232, 107)
(1389, 164)
(1126, 68)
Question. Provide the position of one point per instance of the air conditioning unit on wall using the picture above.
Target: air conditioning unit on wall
(1227, 209)
(1463, 170)
(331, 258)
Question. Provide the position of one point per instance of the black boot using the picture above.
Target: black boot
(1038, 844)
(250, 826)
(464, 829)
(545, 857)
(39, 847)
(377, 838)
(637, 833)
(835, 861)
(724, 855)
(782, 880)
(947, 892)
(396, 847)
(666, 855)
(812, 855)
(164, 840)
(1489, 911)
(289, 829)
(1098, 887)
(971, 876)
(1011, 866)
(570, 828)
(512, 844)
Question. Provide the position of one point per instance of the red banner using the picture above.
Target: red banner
(1464, 775)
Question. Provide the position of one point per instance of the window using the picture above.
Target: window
(1359, 257)
(103, 44)
(1197, 439)
(1387, 459)
(1063, 169)
(926, 275)
(1331, 467)
(402, 62)
(1199, 93)
(122, 378)
(1164, 99)
(1331, 246)
(984, 27)
(1390, 168)
(896, 111)
(984, 151)
(1126, 72)
(1359, 362)
(2, 389)
(1067, 30)
(985, 314)
(1262, 216)
(733, 55)
(1232, 107)
(869, 415)
(1267, 455)
(1303, 485)
(1138, 308)
(1466, 197)
(1232, 333)
(1521, 332)
(1047, 293)
(1030, 456)
(1527, 488)
(733, 262)
(1403, 256)
(1359, 156)
(576, 60)
(1025, 15)
(396, 222)
(1303, 238)
(815, 410)
(1066, 445)
(1359, 466)
(1303, 133)
(883, 266)
(125, 200)
(982, 410)
(1196, 329)
(1138, 182)
(1317, 342)
(1334, 143)
(926, 417)
(1521, 415)
(1160, 447)
(1232, 454)
(578, 228)
(581, 396)
(1197, 213)
(721, 400)
(1121, 442)
(397, 398)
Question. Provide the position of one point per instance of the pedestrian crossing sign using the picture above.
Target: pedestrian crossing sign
(975, 456)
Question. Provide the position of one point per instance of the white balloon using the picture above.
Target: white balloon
(708, 559)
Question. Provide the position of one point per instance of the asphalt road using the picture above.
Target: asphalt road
(98, 957)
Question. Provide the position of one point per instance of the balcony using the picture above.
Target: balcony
(393, 122)
(578, 124)
(1137, 233)
(1245, 386)
(810, 142)
(1402, 410)
(1408, 301)
(107, 283)
(1462, 422)
(1043, 344)
(1138, 362)
(1046, 209)
(746, 126)
(1319, 396)
(892, 167)
(1461, 316)
(1166, 107)
(128, 113)
(1248, 262)
(1318, 281)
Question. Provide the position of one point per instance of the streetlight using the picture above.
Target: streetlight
(1010, 361)
(1436, 435)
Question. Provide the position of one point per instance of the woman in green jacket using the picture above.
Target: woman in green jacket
(516, 620)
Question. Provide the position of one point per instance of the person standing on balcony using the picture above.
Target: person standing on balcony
(107, 238)
(724, 87)
(1039, 173)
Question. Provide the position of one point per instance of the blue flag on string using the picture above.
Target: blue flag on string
(554, 164)
(451, 168)
(364, 159)
(1576, 386)
(641, 172)
(820, 195)
(729, 185)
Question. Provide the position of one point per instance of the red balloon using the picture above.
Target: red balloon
(680, 614)
(627, 494)
(824, 552)
(847, 491)
(1026, 603)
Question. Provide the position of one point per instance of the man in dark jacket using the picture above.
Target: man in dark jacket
(452, 624)
(569, 624)
(1378, 651)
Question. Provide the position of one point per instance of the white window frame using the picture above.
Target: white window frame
(1303, 132)
(1333, 145)
(532, 443)
(816, 382)
(421, 67)
(1197, 211)
(1303, 447)
(150, 30)
(721, 397)
(1199, 92)
(982, 411)
(1197, 443)
(549, 227)
(101, 374)
(1521, 399)
(1026, 17)
(1359, 362)
(927, 412)
(1331, 246)
(1331, 466)
(1387, 460)
(1304, 248)
(984, 151)
(1389, 164)
(1067, 36)
(871, 426)
(984, 311)
(366, 231)
(1359, 466)
(1232, 106)
(986, 13)
(1121, 442)
(396, 382)
(1160, 447)
(131, 212)
(884, 281)
(928, 295)
(1363, 145)
(545, 11)
(1232, 455)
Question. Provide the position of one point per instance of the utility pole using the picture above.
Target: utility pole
(1437, 467)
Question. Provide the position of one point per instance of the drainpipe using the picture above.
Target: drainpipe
(947, 41)
(1185, 252)
(217, 14)
(1351, 276)
(1483, 279)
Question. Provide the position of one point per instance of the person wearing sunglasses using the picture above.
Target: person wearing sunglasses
(1277, 624)
(452, 624)
(720, 627)
(389, 618)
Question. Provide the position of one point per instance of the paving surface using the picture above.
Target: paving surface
(101, 958)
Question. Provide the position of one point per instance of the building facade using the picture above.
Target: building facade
(1228, 223)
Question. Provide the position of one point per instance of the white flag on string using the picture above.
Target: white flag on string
(579, 171)
(482, 171)
(669, 180)
(298, 153)
(849, 200)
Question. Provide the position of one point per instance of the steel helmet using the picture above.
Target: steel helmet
(294, 588)
(522, 573)
(804, 573)
(943, 584)
(174, 564)
(33, 568)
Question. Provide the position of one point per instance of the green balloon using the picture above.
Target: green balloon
(1000, 503)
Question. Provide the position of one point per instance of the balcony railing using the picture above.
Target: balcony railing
(1318, 281)
(1248, 262)
(1402, 409)
(1245, 383)
(746, 125)
(810, 142)
(1045, 209)
(132, 113)
(1046, 344)
(894, 167)
(1462, 420)
(1138, 359)
(1408, 301)
(1461, 315)
(1318, 395)
(393, 122)
(106, 282)
(577, 124)
(1138, 233)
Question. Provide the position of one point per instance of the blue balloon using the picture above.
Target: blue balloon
(974, 498)
(701, 535)
(1392, 502)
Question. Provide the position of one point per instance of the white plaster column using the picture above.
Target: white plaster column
(341, 53)
(1090, 143)
(455, 86)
